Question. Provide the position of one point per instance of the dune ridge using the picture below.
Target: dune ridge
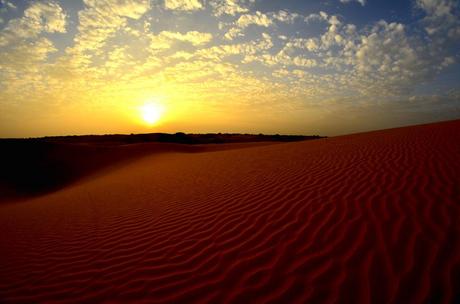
(363, 218)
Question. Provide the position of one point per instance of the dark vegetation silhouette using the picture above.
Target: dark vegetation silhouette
(178, 138)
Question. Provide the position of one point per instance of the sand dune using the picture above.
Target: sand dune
(364, 218)
(33, 167)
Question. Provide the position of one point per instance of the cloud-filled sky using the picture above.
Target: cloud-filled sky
(273, 66)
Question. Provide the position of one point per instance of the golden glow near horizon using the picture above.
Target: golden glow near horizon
(86, 66)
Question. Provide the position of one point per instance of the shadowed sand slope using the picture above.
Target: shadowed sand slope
(364, 218)
(33, 167)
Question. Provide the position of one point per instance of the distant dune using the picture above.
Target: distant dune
(31, 168)
(363, 218)
(35, 166)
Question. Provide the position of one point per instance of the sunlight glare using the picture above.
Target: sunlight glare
(151, 112)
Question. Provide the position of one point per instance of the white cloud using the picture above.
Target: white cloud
(316, 17)
(194, 37)
(38, 18)
(124, 8)
(183, 5)
(258, 18)
(442, 18)
(436, 8)
(228, 7)
(48, 14)
(233, 32)
(103, 18)
(250, 48)
(385, 49)
(285, 16)
(382, 59)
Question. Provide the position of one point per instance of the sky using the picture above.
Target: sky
(252, 66)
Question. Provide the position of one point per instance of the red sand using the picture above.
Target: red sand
(371, 217)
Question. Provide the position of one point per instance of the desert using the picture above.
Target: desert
(369, 217)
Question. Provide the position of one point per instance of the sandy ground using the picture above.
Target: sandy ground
(363, 218)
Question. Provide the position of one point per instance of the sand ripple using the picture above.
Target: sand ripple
(368, 218)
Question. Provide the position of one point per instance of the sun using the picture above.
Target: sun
(151, 112)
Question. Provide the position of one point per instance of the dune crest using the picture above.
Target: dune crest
(363, 218)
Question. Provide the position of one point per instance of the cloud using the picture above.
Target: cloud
(251, 48)
(233, 32)
(316, 17)
(49, 15)
(133, 9)
(311, 44)
(23, 69)
(448, 61)
(6, 5)
(284, 57)
(27, 57)
(437, 8)
(101, 19)
(165, 40)
(379, 59)
(258, 19)
(25, 50)
(387, 51)
(285, 16)
(442, 18)
(39, 17)
(362, 2)
(193, 37)
(183, 5)
(228, 7)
